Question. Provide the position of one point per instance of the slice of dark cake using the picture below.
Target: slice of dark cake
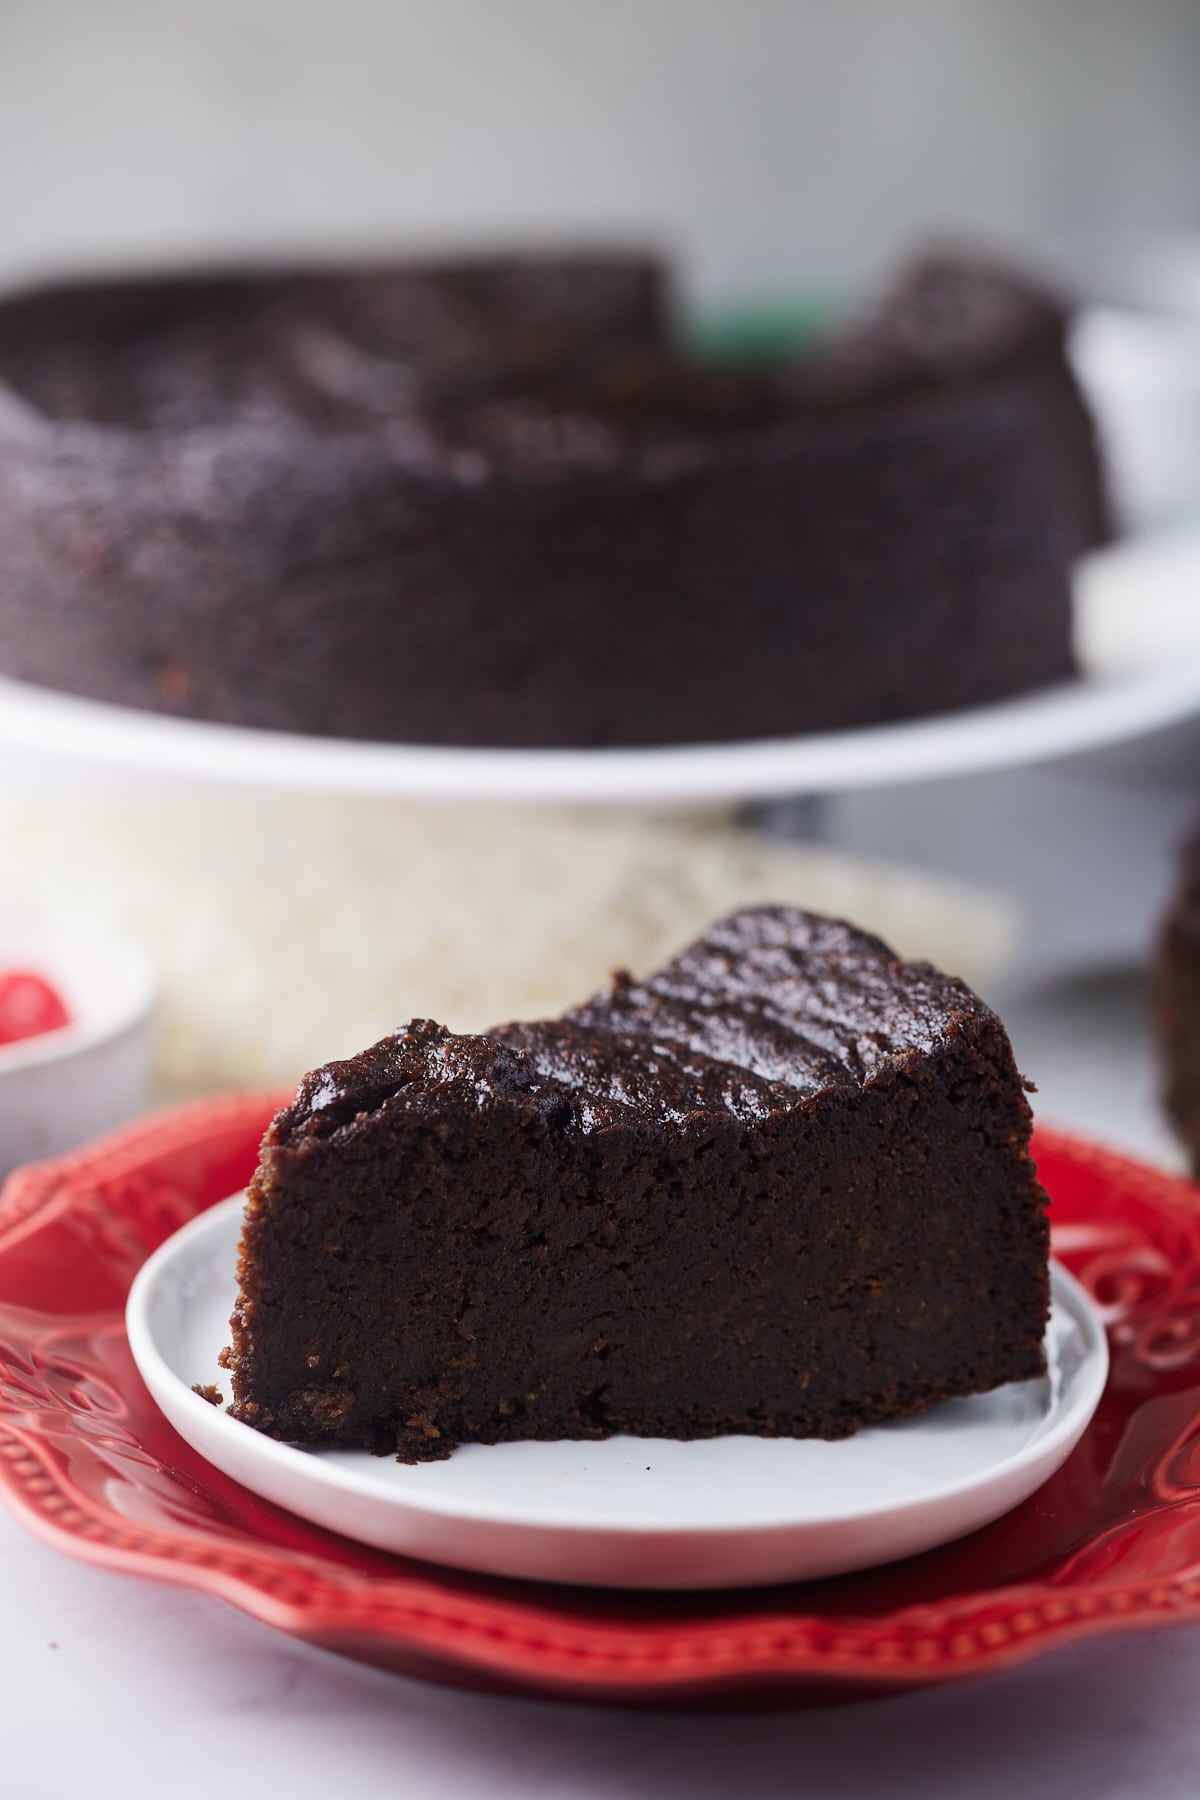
(1176, 1002)
(781, 1187)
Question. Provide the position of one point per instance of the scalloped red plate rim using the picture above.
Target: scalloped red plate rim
(414, 1613)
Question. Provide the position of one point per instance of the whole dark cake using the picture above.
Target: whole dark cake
(1177, 1002)
(489, 504)
(783, 1187)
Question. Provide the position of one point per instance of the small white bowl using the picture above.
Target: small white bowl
(64, 1086)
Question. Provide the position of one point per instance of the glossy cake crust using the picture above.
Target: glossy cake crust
(780, 1187)
(490, 505)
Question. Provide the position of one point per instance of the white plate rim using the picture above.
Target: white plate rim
(175, 1397)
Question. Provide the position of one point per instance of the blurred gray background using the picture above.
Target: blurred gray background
(771, 142)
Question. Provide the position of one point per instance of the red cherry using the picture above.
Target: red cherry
(28, 1006)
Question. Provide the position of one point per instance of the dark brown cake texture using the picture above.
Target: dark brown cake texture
(489, 504)
(782, 1187)
(1176, 1002)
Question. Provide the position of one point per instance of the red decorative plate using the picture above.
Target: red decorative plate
(88, 1462)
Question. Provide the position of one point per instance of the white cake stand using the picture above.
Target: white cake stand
(1137, 638)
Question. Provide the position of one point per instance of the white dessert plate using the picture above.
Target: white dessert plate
(1137, 638)
(629, 1512)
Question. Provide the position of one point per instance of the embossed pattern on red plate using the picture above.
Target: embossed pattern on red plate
(88, 1462)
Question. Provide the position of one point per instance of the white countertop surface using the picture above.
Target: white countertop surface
(120, 1687)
